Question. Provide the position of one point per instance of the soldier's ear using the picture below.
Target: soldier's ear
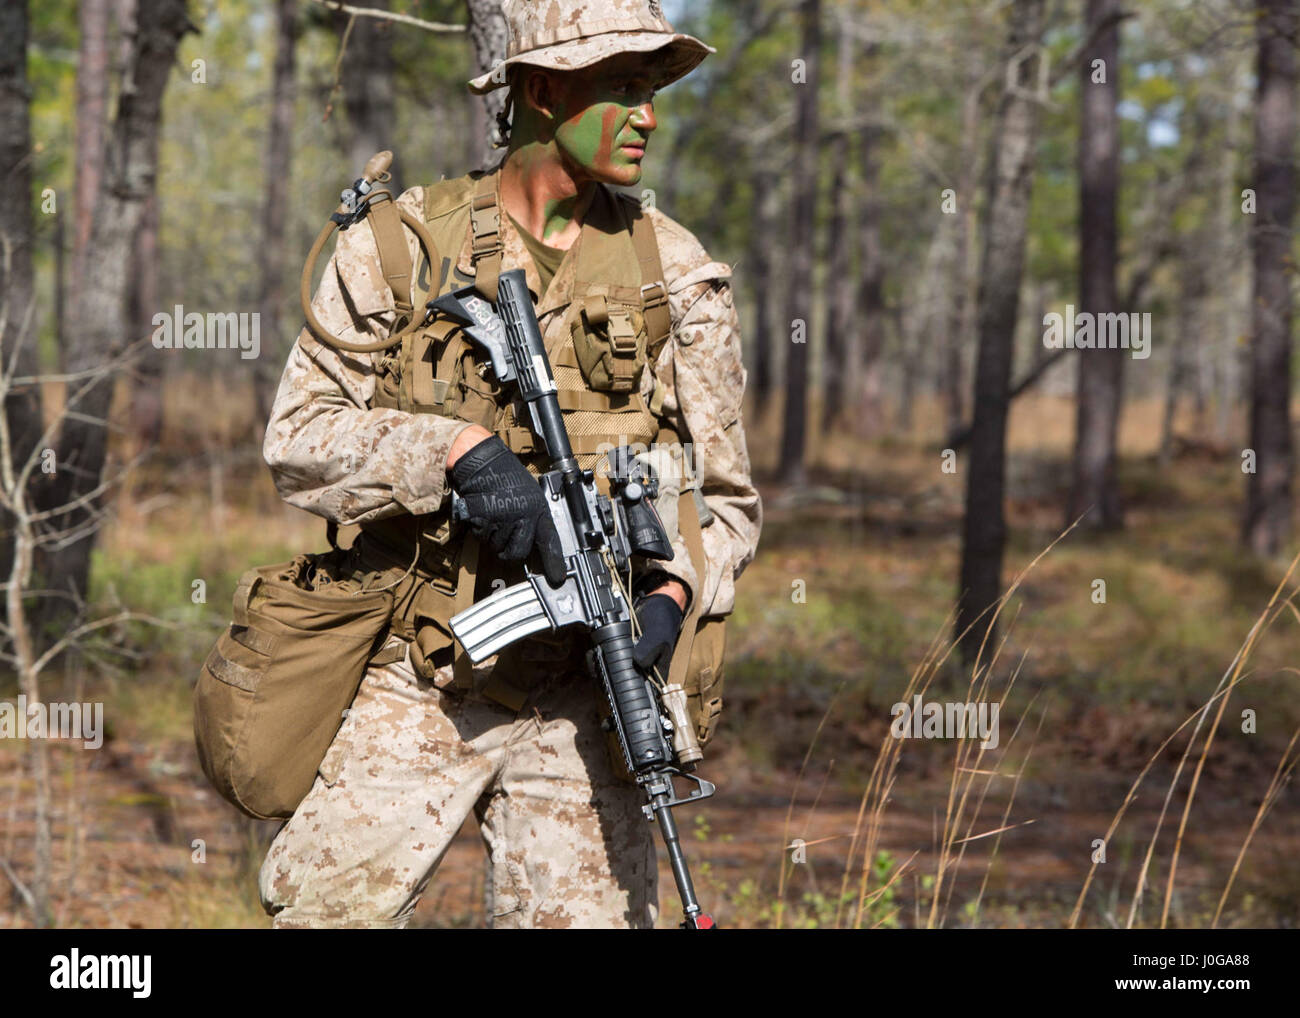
(541, 92)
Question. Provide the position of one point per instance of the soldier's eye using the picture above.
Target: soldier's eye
(640, 91)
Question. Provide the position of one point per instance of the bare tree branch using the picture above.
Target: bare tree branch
(19, 886)
(405, 19)
(75, 634)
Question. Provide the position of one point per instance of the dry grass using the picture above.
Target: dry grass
(961, 815)
(1232, 677)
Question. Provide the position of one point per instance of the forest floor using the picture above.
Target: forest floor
(851, 589)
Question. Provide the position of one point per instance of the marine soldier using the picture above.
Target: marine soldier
(641, 328)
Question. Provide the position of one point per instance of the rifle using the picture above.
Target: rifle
(599, 535)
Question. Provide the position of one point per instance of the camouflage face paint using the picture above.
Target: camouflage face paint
(593, 126)
(588, 138)
(605, 121)
(558, 215)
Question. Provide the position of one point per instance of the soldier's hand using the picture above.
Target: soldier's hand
(506, 508)
(661, 618)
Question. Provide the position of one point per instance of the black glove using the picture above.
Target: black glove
(507, 510)
(660, 620)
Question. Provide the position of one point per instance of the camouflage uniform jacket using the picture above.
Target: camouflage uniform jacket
(332, 453)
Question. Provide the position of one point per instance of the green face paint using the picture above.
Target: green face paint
(558, 215)
(594, 127)
(605, 122)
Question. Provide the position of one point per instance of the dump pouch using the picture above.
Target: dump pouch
(273, 690)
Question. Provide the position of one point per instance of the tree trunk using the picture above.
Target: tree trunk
(951, 380)
(922, 318)
(142, 303)
(1101, 371)
(22, 408)
(760, 261)
(801, 247)
(368, 95)
(1226, 352)
(1267, 523)
(92, 100)
(1010, 186)
(1189, 310)
(871, 291)
(60, 276)
(25, 650)
(1194, 275)
(960, 317)
(840, 287)
(275, 210)
(487, 34)
(98, 320)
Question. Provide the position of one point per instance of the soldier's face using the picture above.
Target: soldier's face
(605, 115)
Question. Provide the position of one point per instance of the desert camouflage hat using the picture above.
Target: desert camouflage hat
(565, 35)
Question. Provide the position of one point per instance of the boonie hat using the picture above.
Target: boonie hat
(565, 35)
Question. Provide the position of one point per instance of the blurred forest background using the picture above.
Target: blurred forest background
(906, 189)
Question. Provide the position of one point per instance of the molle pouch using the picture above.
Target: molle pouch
(432, 645)
(425, 607)
(704, 677)
(272, 693)
(479, 394)
(610, 342)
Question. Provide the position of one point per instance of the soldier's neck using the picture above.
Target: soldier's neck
(543, 194)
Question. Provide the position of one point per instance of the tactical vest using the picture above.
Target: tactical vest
(601, 337)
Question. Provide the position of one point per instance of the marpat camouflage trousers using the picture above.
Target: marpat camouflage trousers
(567, 842)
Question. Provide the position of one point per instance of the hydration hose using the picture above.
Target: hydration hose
(355, 206)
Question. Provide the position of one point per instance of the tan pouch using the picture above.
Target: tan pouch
(272, 692)
(433, 647)
(704, 674)
(702, 646)
(610, 342)
(426, 616)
